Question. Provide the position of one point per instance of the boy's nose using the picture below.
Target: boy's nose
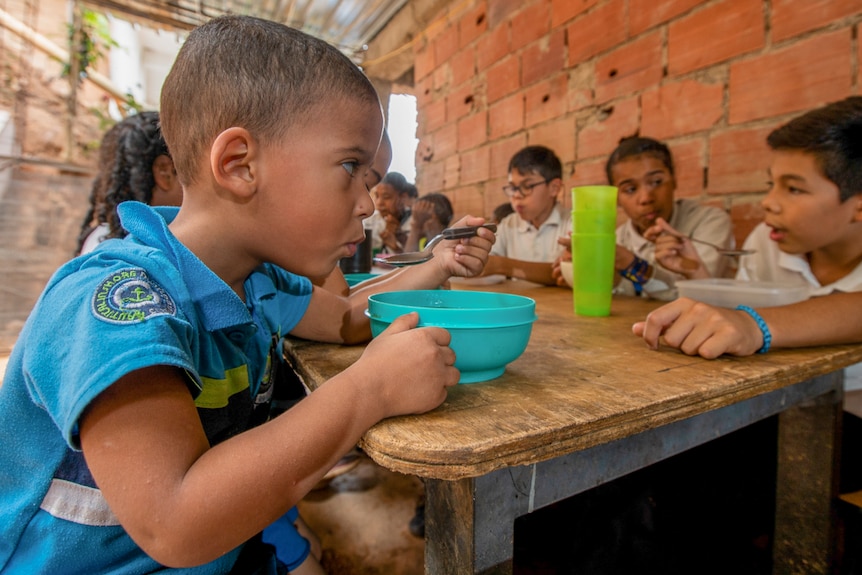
(769, 203)
(366, 205)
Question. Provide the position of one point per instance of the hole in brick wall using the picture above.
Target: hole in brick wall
(605, 113)
(427, 154)
(479, 19)
(664, 71)
(545, 98)
(427, 91)
(612, 73)
(468, 99)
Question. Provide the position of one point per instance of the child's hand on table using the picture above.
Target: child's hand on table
(696, 328)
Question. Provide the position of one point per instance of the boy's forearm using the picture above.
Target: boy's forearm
(538, 272)
(824, 320)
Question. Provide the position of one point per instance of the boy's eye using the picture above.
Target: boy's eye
(350, 167)
(628, 190)
(656, 182)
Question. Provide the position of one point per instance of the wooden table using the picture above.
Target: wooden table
(588, 402)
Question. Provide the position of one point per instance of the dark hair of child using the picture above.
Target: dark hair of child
(126, 156)
(637, 146)
(502, 211)
(833, 134)
(537, 159)
(400, 184)
(442, 207)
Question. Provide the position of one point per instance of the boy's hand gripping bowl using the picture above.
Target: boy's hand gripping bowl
(489, 330)
(412, 258)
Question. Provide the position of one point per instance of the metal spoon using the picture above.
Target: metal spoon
(724, 251)
(412, 258)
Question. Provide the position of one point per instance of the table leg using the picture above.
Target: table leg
(470, 523)
(807, 484)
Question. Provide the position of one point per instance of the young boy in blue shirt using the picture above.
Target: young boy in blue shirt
(132, 410)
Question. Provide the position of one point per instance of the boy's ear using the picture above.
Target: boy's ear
(232, 160)
(857, 212)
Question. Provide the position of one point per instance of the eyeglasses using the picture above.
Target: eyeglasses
(524, 189)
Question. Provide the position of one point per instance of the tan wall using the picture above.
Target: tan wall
(710, 77)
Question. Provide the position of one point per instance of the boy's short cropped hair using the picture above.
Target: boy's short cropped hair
(240, 71)
(638, 146)
(400, 184)
(833, 135)
(537, 159)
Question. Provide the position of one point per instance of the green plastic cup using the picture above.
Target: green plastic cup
(594, 198)
(593, 273)
(594, 221)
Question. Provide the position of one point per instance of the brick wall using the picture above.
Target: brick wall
(710, 78)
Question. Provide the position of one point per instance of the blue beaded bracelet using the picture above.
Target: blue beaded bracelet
(764, 329)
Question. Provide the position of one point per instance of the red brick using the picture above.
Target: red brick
(472, 24)
(503, 79)
(446, 44)
(499, 11)
(467, 201)
(546, 100)
(463, 66)
(530, 24)
(493, 195)
(429, 176)
(441, 78)
(543, 58)
(444, 141)
(600, 137)
(804, 75)
(793, 17)
(558, 135)
(588, 173)
(738, 160)
(502, 152)
(681, 108)
(644, 14)
(423, 61)
(858, 57)
(689, 160)
(584, 38)
(564, 10)
(506, 116)
(475, 165)
(581, 83)
(451, 171)
(717, 33)
(460, 102)
(473, 131)
(632, 67)
(432, 116)
(424, 91)
(745, 217)
(492, 47)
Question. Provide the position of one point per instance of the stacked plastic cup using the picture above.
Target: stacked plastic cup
(594, 218)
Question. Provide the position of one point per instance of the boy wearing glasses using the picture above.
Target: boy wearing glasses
(528, 240)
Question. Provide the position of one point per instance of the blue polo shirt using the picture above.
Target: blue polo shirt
(129, 304)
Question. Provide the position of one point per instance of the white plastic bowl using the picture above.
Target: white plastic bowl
(730, 293)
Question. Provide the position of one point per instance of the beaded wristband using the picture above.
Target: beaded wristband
(635, 274)
(764, 329)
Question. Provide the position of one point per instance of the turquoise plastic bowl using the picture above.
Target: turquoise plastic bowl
(489, 330)
(353, 279)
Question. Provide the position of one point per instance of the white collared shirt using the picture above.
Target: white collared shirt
(519, 239)
(691, 218)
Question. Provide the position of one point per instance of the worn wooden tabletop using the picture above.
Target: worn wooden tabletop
(581, 382)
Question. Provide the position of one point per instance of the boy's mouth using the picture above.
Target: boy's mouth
(777, 235)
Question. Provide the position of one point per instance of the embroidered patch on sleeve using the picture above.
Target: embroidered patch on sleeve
(130, 296)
